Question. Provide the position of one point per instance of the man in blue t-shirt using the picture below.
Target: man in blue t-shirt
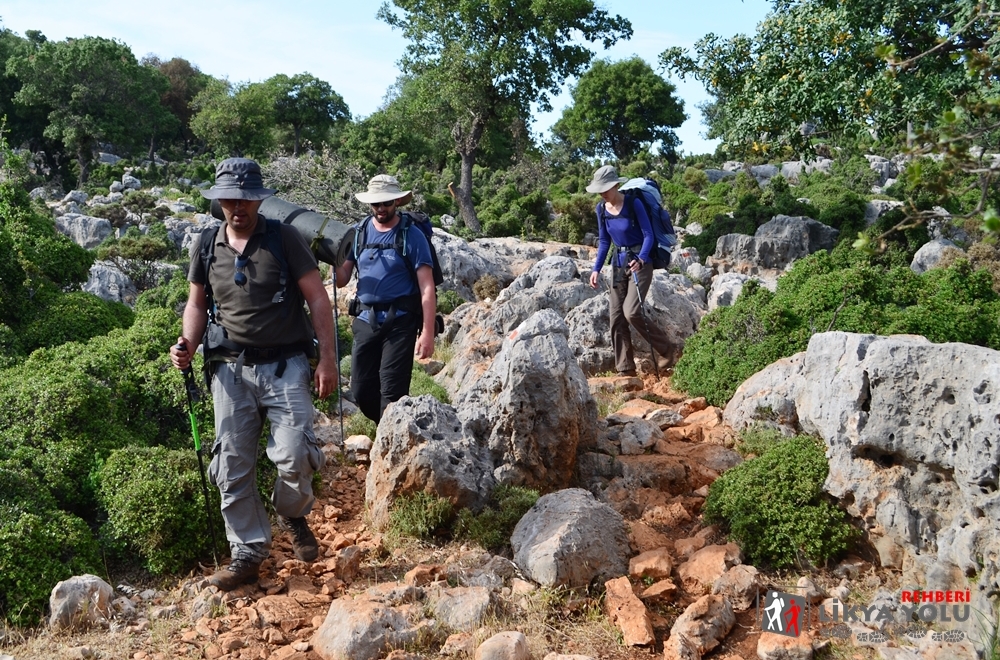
(396, 302)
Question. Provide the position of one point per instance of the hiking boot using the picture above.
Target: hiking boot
(240, 571)
(628, 373)
(303, 542)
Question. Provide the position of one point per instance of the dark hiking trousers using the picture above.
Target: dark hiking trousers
(381, 363)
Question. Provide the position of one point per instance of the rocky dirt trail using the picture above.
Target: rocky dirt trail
(278, 618)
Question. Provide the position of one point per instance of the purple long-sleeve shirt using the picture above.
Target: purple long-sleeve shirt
(620, 230)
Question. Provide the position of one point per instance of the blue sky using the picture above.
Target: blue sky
(344, 44)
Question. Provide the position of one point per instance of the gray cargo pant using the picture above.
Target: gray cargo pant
(291, 446)
(625, 310)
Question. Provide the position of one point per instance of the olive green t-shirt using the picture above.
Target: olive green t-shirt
(248, 312)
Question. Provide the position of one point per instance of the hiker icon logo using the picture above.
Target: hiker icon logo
(783, 613)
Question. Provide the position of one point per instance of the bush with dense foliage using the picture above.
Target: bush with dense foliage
(155, 505)
(492, 527)
(842, 291)
(38, 548)
(775, 508)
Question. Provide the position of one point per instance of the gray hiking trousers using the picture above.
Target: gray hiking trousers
(291, 446)
(626, 311)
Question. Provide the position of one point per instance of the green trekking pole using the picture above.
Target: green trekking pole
(642, 312)
(193, 395)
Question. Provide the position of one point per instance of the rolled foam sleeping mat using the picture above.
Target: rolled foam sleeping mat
(329, 239)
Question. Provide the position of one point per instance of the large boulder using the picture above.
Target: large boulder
(477, 332)
(363, 628)
(86, 231)
(462, 264)
(107, 282)
(911, 436)
(773, 248)
(568, 538)
(532, 407)
(930, 254)
(80, 602)
(420, 447)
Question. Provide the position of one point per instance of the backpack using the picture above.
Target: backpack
(216, 339)
(422, 222)
(272, 241)
(665, 238)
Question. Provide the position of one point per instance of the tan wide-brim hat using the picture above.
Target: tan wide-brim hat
(384, 188)
(605, 178)
(238, 178)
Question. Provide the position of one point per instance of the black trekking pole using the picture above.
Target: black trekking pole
(193, 395)
(642, 312)
(336, 353)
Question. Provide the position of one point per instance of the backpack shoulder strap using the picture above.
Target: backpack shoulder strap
(206, 246)
(275, 243)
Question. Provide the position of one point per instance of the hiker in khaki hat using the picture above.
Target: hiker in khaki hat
(627, 229)
(395, 302)
(248, 281)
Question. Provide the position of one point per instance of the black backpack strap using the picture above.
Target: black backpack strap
(275, 243)
(206, 246)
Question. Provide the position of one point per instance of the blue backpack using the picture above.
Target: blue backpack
(665, 237)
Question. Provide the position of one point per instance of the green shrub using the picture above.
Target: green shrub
(575, 218)
(492, 527)
(422, 383)
(156, 506)
(775, 508)
(758, 439)
(695, 179)
(487, 287)
(842, 291)
(73, 316)
(448, 301)
(512, 213)
(66, 407)
(39, 548)
(420, 516)
(358, 424)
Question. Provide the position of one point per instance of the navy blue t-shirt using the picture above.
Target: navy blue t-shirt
(384, 275)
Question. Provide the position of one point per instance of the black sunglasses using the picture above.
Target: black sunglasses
(240, 277)
(376, 205)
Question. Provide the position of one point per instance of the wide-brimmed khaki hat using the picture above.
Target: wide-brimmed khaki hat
(238, 178)
(384, 188)
(605, 178)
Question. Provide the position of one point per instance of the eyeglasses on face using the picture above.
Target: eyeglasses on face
(388, 204)
(240, 277)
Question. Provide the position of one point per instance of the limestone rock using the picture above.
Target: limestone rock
(705, 623)
(80, 602)
(504, 646)
(463, 608)
(628, 613)
(532, 407)
(420, 447)
(740, 584)
(86, 231)
(708, 564)
(569, 538)
(654, 564)
(909, 442)
(361, 629)
(772, 646)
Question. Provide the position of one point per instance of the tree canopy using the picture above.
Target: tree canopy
(619, 108)
(305, 103)
(822, 62)
(491, 60)
(97, 92)
(235, 120)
